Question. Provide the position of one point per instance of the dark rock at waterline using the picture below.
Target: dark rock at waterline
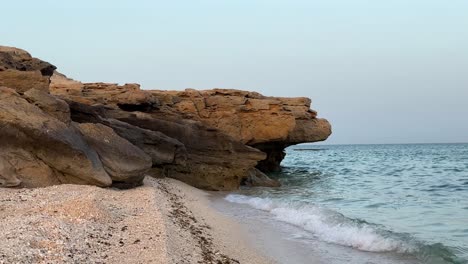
(257, 178)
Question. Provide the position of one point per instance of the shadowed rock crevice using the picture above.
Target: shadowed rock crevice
(274, 155)
(143, 107)
(162, 149)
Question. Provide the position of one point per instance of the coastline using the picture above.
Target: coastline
(164, 221)
(288, 243)
(226, 240)
(59, 131)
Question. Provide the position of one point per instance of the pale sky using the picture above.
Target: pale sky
(393, 71)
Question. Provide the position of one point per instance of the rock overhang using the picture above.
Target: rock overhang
(211, 139)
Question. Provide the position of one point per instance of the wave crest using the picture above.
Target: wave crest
(327, 225)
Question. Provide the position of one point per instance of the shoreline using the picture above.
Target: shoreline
(164, 221)
(285, 242)
(220, 238)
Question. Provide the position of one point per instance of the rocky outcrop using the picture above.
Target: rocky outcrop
(41, 146)
(127, 97)
(215, 127)
(246, 116)
(28, 135)
(269, 124)
(200, 156)
(215, 160)
(58, 130)
(20, 71)
(40, 149)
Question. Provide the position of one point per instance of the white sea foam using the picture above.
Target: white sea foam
(326, 225)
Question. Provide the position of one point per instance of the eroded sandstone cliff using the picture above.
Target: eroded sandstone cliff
(56, 130)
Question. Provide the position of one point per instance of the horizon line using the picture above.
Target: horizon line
(424, 143)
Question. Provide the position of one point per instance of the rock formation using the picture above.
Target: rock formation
(269, 124)
(31, 138)
(57, 130)
(23, 72)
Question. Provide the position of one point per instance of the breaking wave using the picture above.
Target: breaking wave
(332, 227)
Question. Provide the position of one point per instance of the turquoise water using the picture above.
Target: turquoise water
(410, 200)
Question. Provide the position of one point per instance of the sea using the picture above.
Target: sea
(392, 203)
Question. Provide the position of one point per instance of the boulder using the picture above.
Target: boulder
(162, 149)
(19, 166)
(8, 176)
(49, 104)
(125, 163)
(256, 178)
(31, 138)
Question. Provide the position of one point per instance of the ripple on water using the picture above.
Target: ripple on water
(393, 185)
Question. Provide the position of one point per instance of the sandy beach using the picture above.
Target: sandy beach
(164, 221)
(228, 132)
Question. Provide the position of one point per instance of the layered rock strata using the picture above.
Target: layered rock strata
(57, 130)
(269, 124)
(20, 70)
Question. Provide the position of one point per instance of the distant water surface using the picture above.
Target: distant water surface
(408, 200)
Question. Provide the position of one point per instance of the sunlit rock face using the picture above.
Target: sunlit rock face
(57, 130)
(20, 71)
(269, 124)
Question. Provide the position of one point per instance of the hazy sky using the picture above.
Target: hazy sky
(393, 71)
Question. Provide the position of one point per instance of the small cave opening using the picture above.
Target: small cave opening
(126, 185)
(143, 107)
(275, 154)
(82, 113)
